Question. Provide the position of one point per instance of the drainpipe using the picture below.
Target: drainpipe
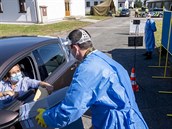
(36, 11)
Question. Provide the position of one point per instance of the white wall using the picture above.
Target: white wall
(116, 4)
(55, 9)
(11, 12)
(122, 2)
(77, 7)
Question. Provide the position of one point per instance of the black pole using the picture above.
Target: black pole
(134, 52)
(136, 31)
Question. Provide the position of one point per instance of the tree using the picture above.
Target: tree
(138, 3)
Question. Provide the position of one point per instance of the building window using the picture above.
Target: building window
(44, 10)
(22, 6)
(95, 2)
(120, 5)
(87, 4)
(101, 2)
(167, 5)
(1, 11)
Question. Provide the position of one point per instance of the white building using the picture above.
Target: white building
(40, 11)
(122, 3)
(117, 3)
(90, 3)
(167, 4)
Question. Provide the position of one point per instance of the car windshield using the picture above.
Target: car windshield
(125, 10)
(156, 9)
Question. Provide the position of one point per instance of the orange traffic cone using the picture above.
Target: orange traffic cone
(135, 87)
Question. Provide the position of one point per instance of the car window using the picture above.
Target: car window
(158, 9)
(124, 9)
(27, 67)
(66, 47)
(27, 70)
(49, 58)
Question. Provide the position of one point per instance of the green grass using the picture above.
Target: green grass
(158, 33)
(50, 29)
(58, 28)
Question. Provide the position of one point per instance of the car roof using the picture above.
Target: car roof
(125, 9)
(10, 46)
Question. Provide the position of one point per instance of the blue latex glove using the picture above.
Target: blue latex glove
(39, 117)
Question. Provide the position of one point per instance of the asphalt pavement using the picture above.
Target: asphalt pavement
(111, 37)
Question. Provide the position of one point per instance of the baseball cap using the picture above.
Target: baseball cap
(84, 37)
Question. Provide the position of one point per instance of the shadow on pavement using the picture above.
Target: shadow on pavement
(122, 33)
(153, 105)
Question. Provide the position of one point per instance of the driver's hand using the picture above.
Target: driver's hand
(46, 85)
(49, 88)
(9, 92)
(39, 118)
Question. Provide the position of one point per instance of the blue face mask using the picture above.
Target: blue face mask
(16, 77)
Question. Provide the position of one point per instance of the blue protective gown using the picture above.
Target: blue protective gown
(150, 28)
(103, 85)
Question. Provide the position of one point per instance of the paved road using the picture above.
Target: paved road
(111, 36)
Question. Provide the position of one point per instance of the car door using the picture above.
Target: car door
(54, 65)
(57, 67)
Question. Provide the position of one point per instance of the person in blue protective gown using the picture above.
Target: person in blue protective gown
(99, 84)
(150, 28)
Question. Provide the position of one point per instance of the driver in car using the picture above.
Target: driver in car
(15, 84)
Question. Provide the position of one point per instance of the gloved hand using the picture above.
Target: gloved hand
(39, 117)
